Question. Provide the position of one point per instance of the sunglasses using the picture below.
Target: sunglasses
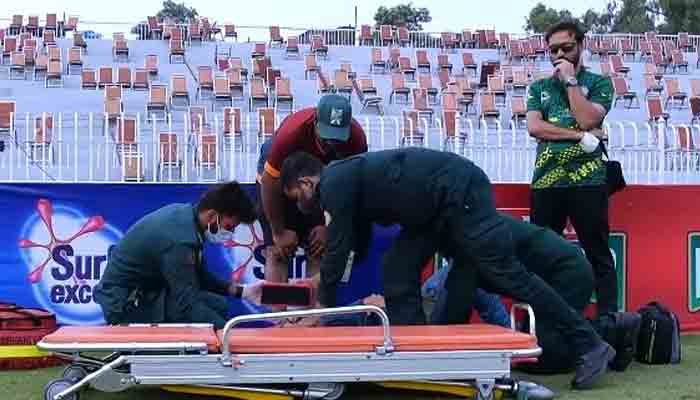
(566, 47)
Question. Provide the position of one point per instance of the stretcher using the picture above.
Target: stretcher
(283, 363)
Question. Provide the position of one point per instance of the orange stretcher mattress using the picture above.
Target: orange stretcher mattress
(78, 335)
(305, 340)
(366, 339)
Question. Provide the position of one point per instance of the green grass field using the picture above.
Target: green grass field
(666, 382)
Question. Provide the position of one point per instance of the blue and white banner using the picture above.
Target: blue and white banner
(55, 240)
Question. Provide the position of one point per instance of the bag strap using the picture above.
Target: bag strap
(605, 151)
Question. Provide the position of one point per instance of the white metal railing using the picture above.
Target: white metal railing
(175, 148)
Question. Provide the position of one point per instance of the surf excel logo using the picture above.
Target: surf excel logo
(66, 254)
(246, 256)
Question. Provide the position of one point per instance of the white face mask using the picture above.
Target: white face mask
(221, 236)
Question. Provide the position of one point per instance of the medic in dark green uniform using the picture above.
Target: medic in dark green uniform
(564, 267)
(156, 273)
(442, 202)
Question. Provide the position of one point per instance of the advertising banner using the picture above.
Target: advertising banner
(55, 240)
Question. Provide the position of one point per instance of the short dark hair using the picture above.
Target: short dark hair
(230, 200)
(570, 26)
(297, 165)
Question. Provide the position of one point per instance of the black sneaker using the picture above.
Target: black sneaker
(592, 366)
(626, 334)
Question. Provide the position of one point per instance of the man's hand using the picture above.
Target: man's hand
(287, 241)
(302, 321)
(253, 292)
(317, 241)
(374, 300)
(275, 253)
(564, 69)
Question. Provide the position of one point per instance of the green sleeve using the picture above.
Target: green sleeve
(178, 268)
(341, 242)
(602, 93)
(534, 102)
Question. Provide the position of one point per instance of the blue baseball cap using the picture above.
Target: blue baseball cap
(334, 117)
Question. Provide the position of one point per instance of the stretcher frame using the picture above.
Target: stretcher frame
(191, 363)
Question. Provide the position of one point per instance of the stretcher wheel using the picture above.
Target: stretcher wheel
(338, 390)
(324, 391)
(56, 386)
(75, 373)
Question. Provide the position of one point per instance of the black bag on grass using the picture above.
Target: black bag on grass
(659, 335)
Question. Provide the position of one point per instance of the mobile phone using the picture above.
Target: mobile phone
(291, 294)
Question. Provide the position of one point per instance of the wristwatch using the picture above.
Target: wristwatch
(571, 82)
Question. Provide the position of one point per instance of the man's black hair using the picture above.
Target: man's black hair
(570, 26)
(230, 200)
(298, 165)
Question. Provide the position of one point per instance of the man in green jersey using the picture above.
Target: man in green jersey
(565, 114)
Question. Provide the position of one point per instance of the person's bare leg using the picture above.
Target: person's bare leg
(313, 269)
(276, 270)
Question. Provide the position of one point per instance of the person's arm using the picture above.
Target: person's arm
(284, 144)
(341, 241)
(358, 139)
(540, 129)
(590, 110)
(272, 201)
(537, 126)
(211, 283)
(178, 269)
(341, 222)
(588, 115)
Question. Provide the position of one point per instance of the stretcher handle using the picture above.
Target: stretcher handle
(386, 347)
(530, 316)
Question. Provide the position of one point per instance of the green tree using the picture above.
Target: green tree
(542, 17)
(178, 11)
(402, 15)
(595, 22)
(591, 22)
(679, 15)
(635, 16)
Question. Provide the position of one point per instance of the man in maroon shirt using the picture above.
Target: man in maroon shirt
(328, 132)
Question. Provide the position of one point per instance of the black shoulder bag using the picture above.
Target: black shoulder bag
(614, 177)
